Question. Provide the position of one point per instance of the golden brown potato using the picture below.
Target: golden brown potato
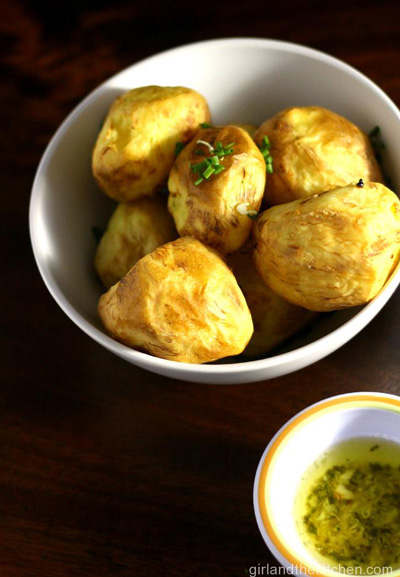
(332, 250)
(182, 303)
(135, 229)
(274, 318)
(135, 149)
(213, 209)
(315, 150)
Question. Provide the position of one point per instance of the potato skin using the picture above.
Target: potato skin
(275, 319)
(135, 229)
(135, 149)
(207, 211)
(182, 303)
(330, 251)
(315, 150)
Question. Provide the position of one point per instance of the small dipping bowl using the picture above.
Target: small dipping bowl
(292, 451)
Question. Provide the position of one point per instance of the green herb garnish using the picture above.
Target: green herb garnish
(352, 514)
(211, 165)
(205, 125)
(378, 146)
(265, 151)
(221, 151)
(179, 146)
(377, 143)
(209, 171)
(375, 132)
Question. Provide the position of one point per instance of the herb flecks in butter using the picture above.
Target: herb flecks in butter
(352, 513)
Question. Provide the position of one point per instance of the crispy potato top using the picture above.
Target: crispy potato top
(135, 149)
(208, 210)
(181, 302)
(135, 229)
(315, 150)
(331, 250)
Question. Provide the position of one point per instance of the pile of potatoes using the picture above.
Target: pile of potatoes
(230, 239)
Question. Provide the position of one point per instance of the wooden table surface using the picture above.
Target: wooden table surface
(106, 469)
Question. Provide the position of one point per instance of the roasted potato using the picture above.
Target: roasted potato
(330, 251)
(275, 319)
(314, 150)
(207, 208)
(135, 229)
(182, 303)
(135, 149)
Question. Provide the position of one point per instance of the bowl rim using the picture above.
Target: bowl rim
(343, 402)
(300, 356)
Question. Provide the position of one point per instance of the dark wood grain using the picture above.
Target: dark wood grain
(106, 469)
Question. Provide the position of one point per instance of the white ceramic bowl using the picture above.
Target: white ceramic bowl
(244, 80)
(291, 452)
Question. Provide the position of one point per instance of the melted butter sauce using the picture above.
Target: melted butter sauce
(347, 508)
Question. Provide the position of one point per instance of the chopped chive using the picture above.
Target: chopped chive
(207, 173)
(378, 146)
(205, 125)
(212, 164)
(222, 151)
(265, 151)
(201, 166)
(266, 141)
(179, 146)
(219, 152)
(375, 132)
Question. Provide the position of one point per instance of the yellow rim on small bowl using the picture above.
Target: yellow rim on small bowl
(377, 400)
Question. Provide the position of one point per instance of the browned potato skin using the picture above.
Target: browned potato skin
(330, 251)
(275, 319)
(182, 303)
(135, 229)
(135, 149)
(315, 150)
(207, 211)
